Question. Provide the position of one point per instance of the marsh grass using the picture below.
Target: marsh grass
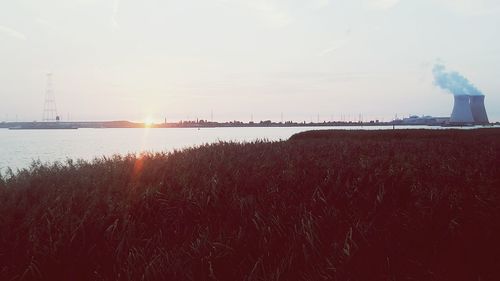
(327, 205)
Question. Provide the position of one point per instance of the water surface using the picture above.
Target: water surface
(18, 148)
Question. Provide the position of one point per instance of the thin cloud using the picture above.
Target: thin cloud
(47, 24)
(334, 47)
(12, 33)
(381, 4)
(269, 11)
(114, 15)
(319, 4)
(337, 44)
(472, 7)
(275, 13)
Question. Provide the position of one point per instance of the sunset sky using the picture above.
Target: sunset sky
(124, 59)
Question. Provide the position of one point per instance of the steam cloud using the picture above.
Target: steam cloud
(453, 81)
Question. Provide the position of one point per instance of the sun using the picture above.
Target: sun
(148, 122)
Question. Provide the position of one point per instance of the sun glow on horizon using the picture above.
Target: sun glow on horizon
(148, 122)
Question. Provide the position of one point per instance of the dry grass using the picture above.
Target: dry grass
(404, 205)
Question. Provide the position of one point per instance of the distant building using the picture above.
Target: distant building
(424, 120)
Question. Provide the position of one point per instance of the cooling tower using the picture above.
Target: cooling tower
(478, 110)
(462, 113)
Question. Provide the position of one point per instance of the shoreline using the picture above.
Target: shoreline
(127, 124)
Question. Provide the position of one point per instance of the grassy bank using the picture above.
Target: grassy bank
(328, 205)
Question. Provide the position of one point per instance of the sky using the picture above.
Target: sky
(242, 59)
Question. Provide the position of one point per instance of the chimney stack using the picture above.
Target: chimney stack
(478, 110)
(462, 113)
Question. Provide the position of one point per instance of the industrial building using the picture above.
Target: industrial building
(478, 110)
(424, 120)
(469, 110)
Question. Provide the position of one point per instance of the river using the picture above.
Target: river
(18, 148)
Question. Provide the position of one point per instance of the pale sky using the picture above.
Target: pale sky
(124, 59)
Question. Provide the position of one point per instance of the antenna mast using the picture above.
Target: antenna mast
(49, 107)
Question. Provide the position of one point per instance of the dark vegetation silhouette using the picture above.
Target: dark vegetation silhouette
(325, 205)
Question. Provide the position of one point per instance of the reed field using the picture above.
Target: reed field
(323, 205)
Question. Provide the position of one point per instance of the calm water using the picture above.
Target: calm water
(18, 148)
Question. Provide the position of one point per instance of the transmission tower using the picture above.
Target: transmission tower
(49, 107)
